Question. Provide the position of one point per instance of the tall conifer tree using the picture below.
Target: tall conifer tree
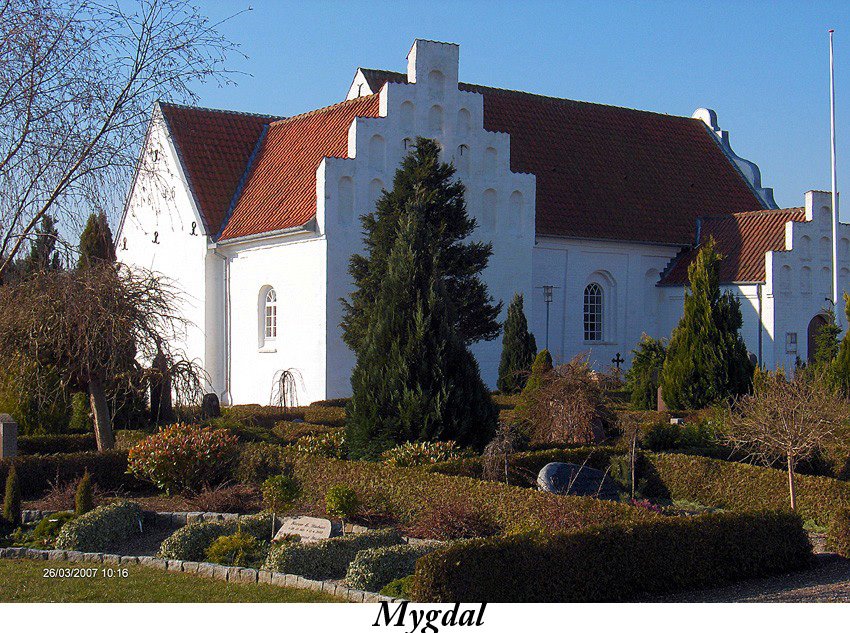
(415, 379)
(841, 365)
(460, 262)
(96, 242)
(518, 349)
(706, 359)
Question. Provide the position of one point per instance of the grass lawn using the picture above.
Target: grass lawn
(23, 580)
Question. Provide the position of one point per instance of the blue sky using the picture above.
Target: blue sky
(763, 66)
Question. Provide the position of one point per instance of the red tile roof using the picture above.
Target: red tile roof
(280, 189)
(742, 239)
(609, 172)
(214, 147)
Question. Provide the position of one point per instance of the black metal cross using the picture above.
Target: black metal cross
(618, 360)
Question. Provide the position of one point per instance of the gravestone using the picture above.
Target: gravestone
(210, 407)
(8, 436)
(308, 528)
(573, 479)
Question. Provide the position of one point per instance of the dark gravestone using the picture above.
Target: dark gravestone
(573, 479)
(210, 407)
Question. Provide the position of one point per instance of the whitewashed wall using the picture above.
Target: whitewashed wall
(156, 233)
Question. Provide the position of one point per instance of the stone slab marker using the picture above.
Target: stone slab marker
(8, 436)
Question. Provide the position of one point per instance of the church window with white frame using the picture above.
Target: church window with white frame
(593, 312)
(270, 316)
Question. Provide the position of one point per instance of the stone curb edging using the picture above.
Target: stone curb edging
(243, 575)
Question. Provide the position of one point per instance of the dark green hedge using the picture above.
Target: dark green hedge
(51, 444)
(745, 487)
(405, 492)
(107, 469)
(614, 563)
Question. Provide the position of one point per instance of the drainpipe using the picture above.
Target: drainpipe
(225, 396)
(761, 323)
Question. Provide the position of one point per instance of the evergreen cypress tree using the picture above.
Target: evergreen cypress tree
(644, 375)
(12, 498)
(518, 349)
(460, 262)
(541, 365)
(414, 378)
(43, 255)
(96, 242)
(841, 365)
(706, 359)
(84, 496)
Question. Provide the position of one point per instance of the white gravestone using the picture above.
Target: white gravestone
(308, 528)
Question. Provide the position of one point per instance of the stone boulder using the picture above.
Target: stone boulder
(561, 478)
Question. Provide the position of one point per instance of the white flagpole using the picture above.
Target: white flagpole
(834, 190)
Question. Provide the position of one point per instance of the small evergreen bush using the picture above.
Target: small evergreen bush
(399, 588)
(279, 493)
(644, 376)
(48, 528)
(239, 549)
(184, 457)
(84, 497)
(331, 444)
(341, 501)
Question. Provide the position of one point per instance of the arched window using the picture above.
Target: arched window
(377, 152)
(270, 316)
(462, 160)
(464, 122)
(435, 120)
(407, 115)
(489, 204)
(593, 312)
(436, 82)
(490, 157)
(345, 193)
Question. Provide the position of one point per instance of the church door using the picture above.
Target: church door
(814, 326)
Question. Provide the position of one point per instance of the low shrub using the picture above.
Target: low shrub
(399, 588)
(239, 549)
(404, 492)
(259, 461)
(191, 541)
(421, 453)
(184, 457)
(743, 487)
(341, 501)
(614, 563)
(100, 529)
(661, 436)
(372, 569)
(838, 535)
(449, 520)
(52, 444)
(48, 528)
(330, 445)
(108, 469)
(327, 559)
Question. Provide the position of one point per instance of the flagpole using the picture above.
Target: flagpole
(834, 185)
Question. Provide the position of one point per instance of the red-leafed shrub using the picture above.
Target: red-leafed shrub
(184, 457)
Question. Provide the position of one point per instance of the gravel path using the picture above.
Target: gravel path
(827, 581)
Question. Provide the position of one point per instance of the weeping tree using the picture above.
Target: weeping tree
(80, 323)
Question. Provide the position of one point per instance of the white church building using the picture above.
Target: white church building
(594, 213)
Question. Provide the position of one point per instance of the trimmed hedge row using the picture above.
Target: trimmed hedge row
(371, 569)
(107, 469)
(191, 541)
(51, 444)
(101, 528)
(327, 559)
(531, 461)
(744, 487)
(616, 562)
(403, 493)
